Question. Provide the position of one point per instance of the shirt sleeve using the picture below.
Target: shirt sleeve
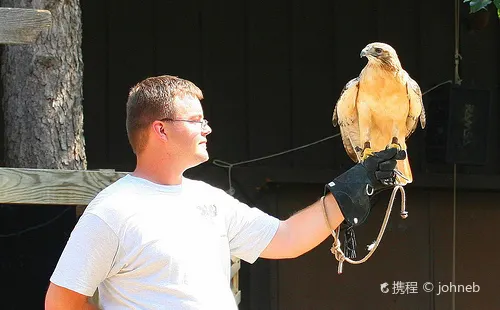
(249, 230)
(87, 257)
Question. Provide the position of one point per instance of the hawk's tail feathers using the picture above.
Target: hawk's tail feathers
(403, 166)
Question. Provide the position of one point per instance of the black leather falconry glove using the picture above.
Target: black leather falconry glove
(354, 188)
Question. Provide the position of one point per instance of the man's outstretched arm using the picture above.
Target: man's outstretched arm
(348, 201)
(304, 230)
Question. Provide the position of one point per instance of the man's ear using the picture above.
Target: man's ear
(159, 130)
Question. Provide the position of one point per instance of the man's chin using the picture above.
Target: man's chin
(203, 157)
(199, 160)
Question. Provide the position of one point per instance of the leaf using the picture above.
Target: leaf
(476, 5)
(497, 4)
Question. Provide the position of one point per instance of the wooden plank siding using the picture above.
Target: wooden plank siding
(95, 82)
(480, 69)
(224, 78)
(418, 249)
(131, 29)
(177, 44)
(311, 281)
(312, 73)
(268, 79)
(271, 72)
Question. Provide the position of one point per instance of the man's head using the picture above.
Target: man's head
(154, 99)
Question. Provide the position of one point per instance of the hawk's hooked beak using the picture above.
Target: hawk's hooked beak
(365, 52)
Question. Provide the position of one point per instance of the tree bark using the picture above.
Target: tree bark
(42, 92)
(43, 128)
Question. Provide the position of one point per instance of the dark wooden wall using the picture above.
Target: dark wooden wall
(271, 72)
(418, 249)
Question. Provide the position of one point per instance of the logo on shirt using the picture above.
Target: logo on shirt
(208, 210)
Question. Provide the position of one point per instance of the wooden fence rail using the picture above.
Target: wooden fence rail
(68, 187)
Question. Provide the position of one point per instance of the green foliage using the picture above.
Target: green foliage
(476, 5)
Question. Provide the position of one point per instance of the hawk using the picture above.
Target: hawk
(379, 108)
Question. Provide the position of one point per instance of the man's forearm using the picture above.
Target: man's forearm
(309, 226)
(304, 230)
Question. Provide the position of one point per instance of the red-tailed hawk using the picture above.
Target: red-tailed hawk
(379, 108)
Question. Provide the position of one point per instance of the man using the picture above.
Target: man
(157, 240)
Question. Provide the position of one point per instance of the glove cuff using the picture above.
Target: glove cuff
(352, 191)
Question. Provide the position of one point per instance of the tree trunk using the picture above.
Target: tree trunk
(43, 128)
(42, 99)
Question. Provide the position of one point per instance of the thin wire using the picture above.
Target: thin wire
(457, 55)
(457, 81)
(229, 166)
(224, 164)
(438, 85)
(36, 226)
(454, 233)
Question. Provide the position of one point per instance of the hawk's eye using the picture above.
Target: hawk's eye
(378, 50)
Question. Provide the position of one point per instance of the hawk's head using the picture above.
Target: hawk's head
(382, 54)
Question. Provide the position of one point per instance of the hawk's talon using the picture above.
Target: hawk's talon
(394, 146)
(366, 153)
(401, 175)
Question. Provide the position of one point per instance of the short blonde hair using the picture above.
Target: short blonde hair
(153, 99)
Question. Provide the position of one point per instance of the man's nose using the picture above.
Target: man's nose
(206, 130)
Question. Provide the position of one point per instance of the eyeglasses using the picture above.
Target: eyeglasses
(203, 122)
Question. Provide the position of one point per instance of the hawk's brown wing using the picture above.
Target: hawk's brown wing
(345, 115)
(417, 109)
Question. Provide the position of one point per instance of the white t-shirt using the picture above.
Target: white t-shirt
(151, 246)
